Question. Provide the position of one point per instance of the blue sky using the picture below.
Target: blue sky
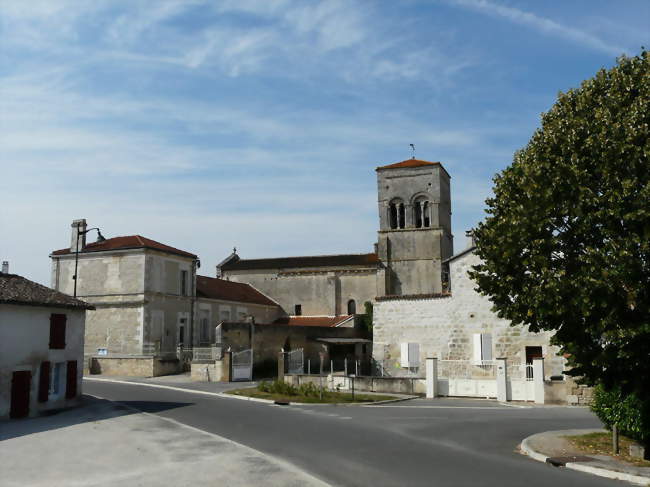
(258, 123)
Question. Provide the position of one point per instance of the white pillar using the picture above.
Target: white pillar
(538, 379)
(432, 377)
(502, 380)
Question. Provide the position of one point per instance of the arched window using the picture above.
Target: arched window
(352, 307)
(396, 214)
(421, 213)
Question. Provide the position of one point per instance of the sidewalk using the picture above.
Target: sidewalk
(182, 381)
(104, 444)
(552, 447)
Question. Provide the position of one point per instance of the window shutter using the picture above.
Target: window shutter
(57, 331)
(404, 355)
(477, 352)
(44, 382)
(71, 385)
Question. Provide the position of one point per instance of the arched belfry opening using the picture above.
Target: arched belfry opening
(396, 214)
(352, 307)
(422, 212)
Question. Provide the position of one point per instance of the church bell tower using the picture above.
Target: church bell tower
(414, 227)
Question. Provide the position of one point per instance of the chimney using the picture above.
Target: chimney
(78, 226)
(470, 238)
(5, 267)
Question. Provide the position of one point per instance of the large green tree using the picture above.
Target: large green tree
(566, 243)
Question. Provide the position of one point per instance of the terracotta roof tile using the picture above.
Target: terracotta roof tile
(18, 290)
(409, 163)
(327, 321)
(305, 261)
(127, 242)
(213, 288)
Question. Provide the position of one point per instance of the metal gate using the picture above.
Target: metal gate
(242, 365)
(296, 362)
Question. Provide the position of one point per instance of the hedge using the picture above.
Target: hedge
(630, 414)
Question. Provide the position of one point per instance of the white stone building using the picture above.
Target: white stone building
(143, 291)
(41, 348)
(455, 325)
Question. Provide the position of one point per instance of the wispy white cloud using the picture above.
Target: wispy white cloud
(541, 24)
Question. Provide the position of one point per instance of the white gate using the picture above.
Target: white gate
(467, 378)
(296, 362)
(242, 365)
(520, 382)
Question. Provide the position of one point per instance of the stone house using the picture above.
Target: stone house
(221, 301)
(458, 324)
(142, 291)
(41, 347)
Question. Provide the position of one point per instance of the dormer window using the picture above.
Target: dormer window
(396, 214)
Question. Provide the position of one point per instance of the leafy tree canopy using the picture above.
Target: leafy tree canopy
(566, 243)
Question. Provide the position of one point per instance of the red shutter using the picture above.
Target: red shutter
(44, 382)
(71, 386)
(57, 331)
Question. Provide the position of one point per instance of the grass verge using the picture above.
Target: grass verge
(328, 397)
(601, 444)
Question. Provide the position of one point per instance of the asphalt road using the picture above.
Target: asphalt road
(442, 442)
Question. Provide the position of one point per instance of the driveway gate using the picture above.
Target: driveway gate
(296, 362)
(242, 365)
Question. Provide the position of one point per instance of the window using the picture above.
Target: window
(183, 283)
(57, 331)
(482, 347)
(55, 380)
(396, 214)
(352, 307)
(205, 323)
(410, 356)
(224, 315)
(298, 310)
(421, 213)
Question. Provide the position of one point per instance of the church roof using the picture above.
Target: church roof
(127, 242)
(301, 262)
(409, 163)
(16, 289)
(214, 288)
(326, 321)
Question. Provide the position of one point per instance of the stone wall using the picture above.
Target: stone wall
(444, 327)
(133, 366)
(318, 292)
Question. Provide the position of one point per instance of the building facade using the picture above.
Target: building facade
(414, 205)
(454, 325)
(41, 348)
(142, 291)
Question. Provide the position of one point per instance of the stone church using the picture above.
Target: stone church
(424, 303)
(414, 239)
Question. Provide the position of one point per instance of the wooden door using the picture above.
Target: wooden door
(20, 385)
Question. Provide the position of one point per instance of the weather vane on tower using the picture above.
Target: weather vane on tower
(413, 149)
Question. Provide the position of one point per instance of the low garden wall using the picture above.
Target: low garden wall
(397, 385)
(132, 366)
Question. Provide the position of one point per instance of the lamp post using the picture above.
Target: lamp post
(100, 238)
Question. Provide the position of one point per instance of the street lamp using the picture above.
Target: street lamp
(100, 238)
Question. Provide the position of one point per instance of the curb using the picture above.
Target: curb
(601, 472)
(243, 398)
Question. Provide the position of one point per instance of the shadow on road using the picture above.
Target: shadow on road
(91, 409)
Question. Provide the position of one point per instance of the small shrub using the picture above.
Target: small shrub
(630, 414)
(264, 386)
